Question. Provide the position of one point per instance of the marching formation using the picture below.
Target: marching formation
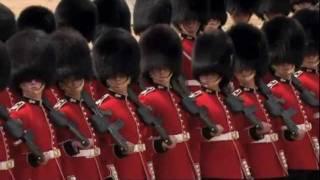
(82, 98)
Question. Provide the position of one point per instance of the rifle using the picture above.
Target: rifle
(274, 107)
(102, 124)
(149, 118)
(306, 95)
(15, 129)
(59, 120)
(189, 104)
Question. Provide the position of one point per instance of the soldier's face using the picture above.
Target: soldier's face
(161, 76)
(32, 89)
(303, 5)
(210, 81)
(245, 75)
(284, 70)
(72, 85)
(119, 83)
(212, 25)
(311, 61)
(190, 27)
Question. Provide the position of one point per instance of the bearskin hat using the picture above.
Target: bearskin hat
(73, 55)
(4, 66)
(251, 48)
(185, 10)
(213, 54)
(150, 12)
(214, 9)
(244, 6)
(114, 13)
(116, 52)
(32, 57)
(7, 23)
(293, 2)
(37, 17)
(160, 47)
(309, 19)
(82, 15)
(273, 7)
(286, 40)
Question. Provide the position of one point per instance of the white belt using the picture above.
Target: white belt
(268, 138)
(6, 165)
(232, 135)
(306, 126)
(89, 153)
(139, 148)
(52, 154)
(192, 83)
(180, 138)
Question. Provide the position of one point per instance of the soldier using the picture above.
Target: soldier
(309, 71)
(241, 11)
(186, 18)
(160, 63)
(37, 17)
(79, 162)
(7, 23)
(214, 15)
(117, 56)
(6, 163)
(297, 5)
(287, 41)
(113, 13)
(213, 69)
(251, 63)
(33, 68)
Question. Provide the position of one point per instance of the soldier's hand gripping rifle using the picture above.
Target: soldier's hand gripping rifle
(61, 121)
(15, 130)
(102, 124)
(149, 118)
(275, 108)
(189, 104)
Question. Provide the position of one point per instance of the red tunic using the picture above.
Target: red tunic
(83, 166)
(95, 89)
(301, 153)
(219, 158)
(135, 165)
(187, 45)
(176, 163)
(269, 150)
(34, 118)
(310, 80)
(5, 158)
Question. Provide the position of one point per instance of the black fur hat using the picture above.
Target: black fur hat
(309, 19)
(273, 7)
(160, 47)
(114, 13)
(251, 48)
(32, 57)
(244, 6)
(73, 55)
(185, 10)
(82, 15)
(115, 52)
(4, 66)
(286, 40)
(293, 2)
(215, 9)
(150, 12)
(7, 23)
(213, 54)
(37, 17)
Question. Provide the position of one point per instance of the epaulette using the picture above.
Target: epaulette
(147, 91)
(237, 92)
(60, 104)
(17, 106)
(196, 94)
(298, 73)
(101, 100)
(272, 83)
